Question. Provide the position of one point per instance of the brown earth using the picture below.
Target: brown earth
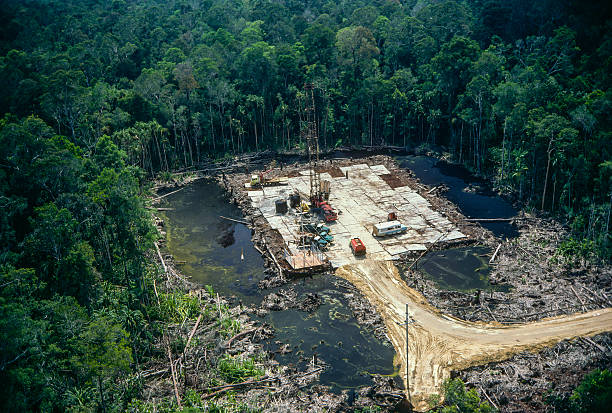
(440, 343)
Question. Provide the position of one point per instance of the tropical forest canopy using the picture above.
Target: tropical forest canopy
(98, 96)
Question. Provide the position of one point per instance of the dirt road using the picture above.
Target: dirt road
(439, 343)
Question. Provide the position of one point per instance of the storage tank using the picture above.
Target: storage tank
(281, 206)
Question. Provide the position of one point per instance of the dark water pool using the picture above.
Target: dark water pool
(464, 269)
(472, 196)
(210, 247)
(211, 250)
(333, 334)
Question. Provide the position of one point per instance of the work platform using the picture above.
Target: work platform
(362, 199)
(303, 259)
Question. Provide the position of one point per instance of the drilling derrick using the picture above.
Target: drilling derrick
(310, 136)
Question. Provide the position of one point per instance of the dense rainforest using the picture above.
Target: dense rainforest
(99, 96)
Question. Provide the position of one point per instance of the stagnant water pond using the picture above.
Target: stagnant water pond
(210, 250)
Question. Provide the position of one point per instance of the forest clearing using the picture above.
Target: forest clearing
(438, 343)
(224, 206)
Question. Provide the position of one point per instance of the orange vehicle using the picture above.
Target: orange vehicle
(357, 247)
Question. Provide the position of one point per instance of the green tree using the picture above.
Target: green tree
(458, 399)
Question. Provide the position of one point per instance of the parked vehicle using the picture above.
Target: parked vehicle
(388, 228)
(357, 246)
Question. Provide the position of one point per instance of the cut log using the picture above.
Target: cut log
(495, 253)
(490, 219)
(168, 194)
(234, 220)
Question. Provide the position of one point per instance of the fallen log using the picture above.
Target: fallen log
(169, 193)
(280, 269)
(239, 335)
(495, 253)
(491, 219)
(388, 394)
(571, 307)
(195, 327)
(156, 294)
(579, 299)
(428, 248)
(173, 372)
(594, 344)
(243, 383)
(234, 220)
(603, 294)
(227, 387)
(219, 307)
(311, 372)
(490, 312)
(594, 297)
(148, 374)
(488, 398)
(161, 259)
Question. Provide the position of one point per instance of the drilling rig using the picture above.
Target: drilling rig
(319, 194)
(310, 136)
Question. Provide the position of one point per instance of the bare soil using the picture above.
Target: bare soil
(439, 343)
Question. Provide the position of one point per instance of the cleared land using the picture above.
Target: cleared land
(439, 343)
(363, 199)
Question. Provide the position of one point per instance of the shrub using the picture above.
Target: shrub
(236, 369)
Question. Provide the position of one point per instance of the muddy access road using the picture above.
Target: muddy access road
(439, 343)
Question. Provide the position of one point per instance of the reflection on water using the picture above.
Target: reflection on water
(472, 196)
(333, 334)
(463, 269)
(211, 249)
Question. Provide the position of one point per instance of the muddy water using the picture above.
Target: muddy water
(211, 248)
(333, 335)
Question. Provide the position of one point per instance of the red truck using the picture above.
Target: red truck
(358, 247)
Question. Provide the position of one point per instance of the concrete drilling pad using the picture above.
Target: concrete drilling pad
(361, 201)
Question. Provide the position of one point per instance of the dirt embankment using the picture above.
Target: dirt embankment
(439, 343)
